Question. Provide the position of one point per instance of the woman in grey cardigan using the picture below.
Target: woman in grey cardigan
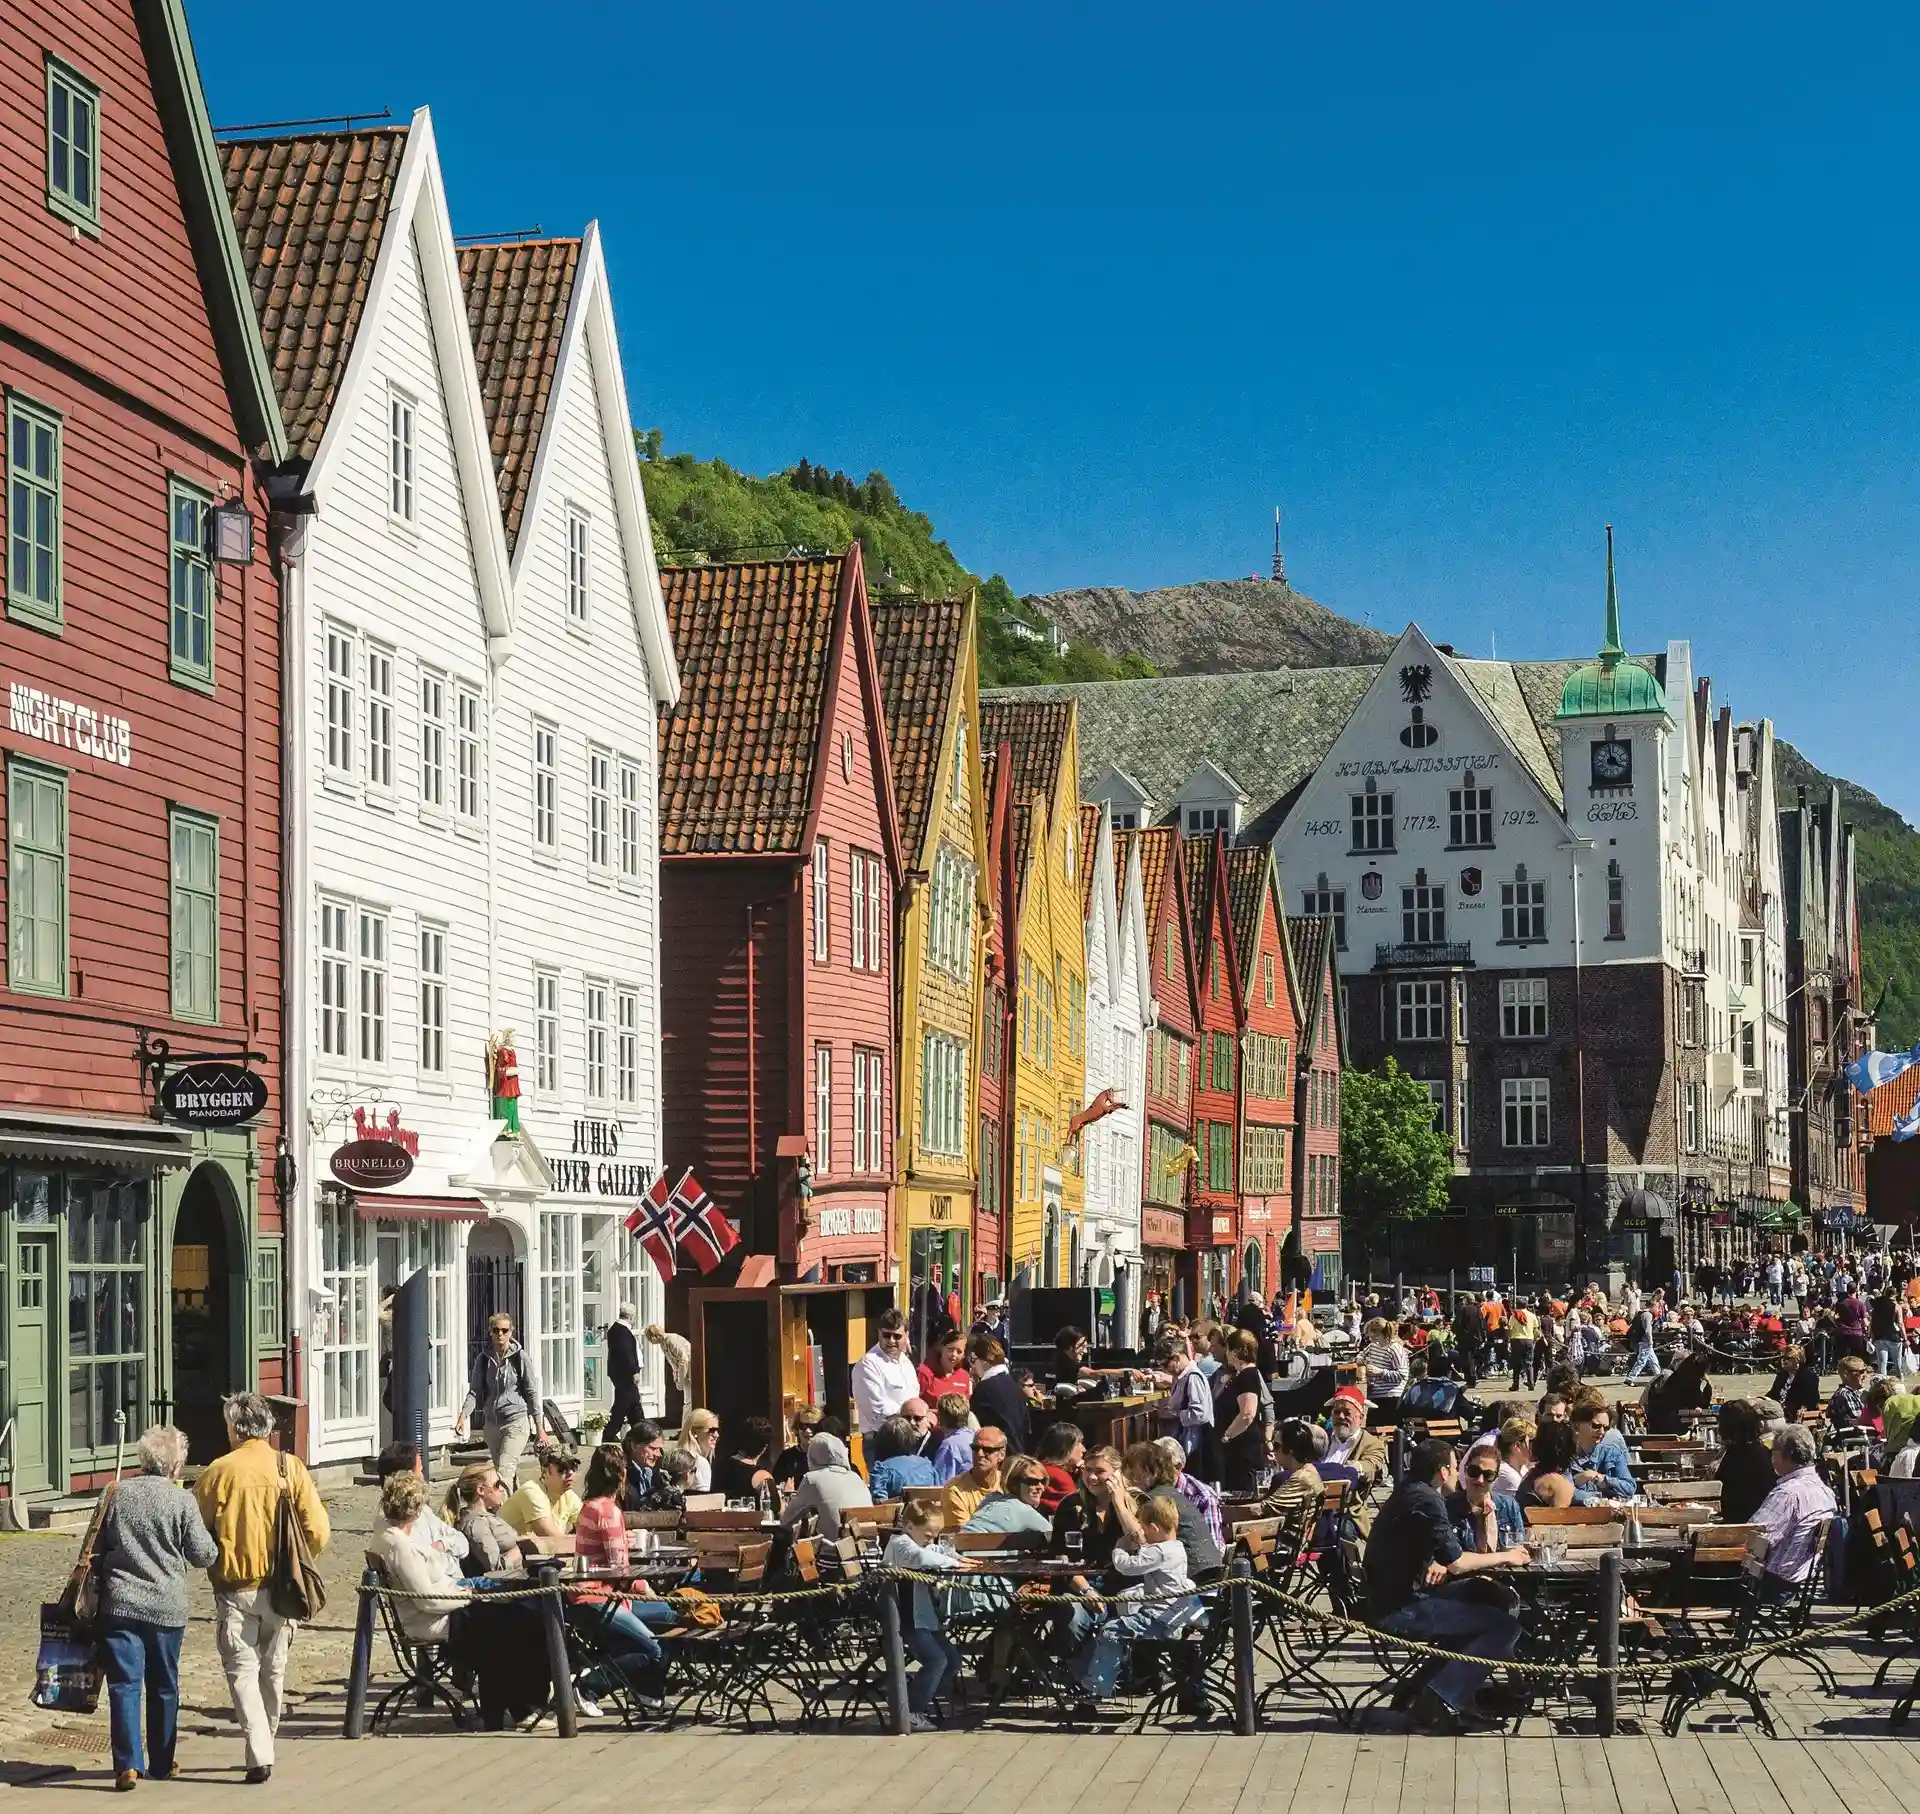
(151, 1535)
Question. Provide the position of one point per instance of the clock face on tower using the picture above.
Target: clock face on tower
(1612, 762)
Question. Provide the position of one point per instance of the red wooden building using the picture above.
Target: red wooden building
(1268, 1038)
(1319, 1058)
(779, 848)
(1213, 1217)
(1167, 1175)
(141, 1261)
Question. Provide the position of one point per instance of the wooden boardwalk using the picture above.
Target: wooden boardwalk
(999, 1772)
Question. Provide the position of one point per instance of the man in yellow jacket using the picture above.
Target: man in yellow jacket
(239, 1496)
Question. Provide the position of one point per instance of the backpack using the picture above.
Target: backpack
(294, 1588)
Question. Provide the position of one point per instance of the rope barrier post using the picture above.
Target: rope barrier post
(355, 1724)
(1606, 1687)
(893, 1657)
(1240, 1588)
(553, 1617)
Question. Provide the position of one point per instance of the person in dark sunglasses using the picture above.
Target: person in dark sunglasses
(1483, 1519)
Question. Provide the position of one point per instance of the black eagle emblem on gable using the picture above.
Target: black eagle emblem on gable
(1416, 683)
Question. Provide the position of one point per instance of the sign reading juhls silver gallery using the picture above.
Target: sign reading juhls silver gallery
(33, 713)
(212, 1094)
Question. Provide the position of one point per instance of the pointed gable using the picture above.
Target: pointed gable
(1038, 732)
(517, 296)
(738, 752)
(312, 213)
(1248, 867)
(917, 647)
(1089, 856)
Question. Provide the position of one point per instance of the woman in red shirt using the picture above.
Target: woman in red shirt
(944, 1370)
(614, 1624)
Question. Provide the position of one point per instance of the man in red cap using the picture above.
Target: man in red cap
(1350, 1443)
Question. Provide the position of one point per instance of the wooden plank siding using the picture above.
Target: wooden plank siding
(1213, 1223)
(1172, 982)
(111, 331)
(125, 306)
(1265, 1217)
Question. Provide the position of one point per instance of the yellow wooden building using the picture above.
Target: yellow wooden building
(929, 680)
(1047, 980)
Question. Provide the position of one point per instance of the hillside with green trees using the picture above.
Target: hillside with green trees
(706, 509)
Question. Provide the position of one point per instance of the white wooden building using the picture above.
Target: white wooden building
(436, 536)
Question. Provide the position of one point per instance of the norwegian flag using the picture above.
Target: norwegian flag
(651, 1224)
(706, 1236)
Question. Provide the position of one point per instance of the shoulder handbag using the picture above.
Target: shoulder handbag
(83, 1585)
(294, 1588)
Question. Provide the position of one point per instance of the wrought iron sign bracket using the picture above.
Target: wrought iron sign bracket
(156, 1056)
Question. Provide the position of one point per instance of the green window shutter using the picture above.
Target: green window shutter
(191, 591)
(36, 879)
(34, 458)
(196, 916)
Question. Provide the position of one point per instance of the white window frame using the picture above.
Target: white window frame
(1470, 817)
(1420, 1010)
(857, 908)
(626, 1047)
(403, 443)
(822, 1109)
(1372, 820)
(379, 717)
(1523, 1007)
(822, 902)
(546, 1032)
(1328, 903)
(876, 918)
(1523, 911)
(373, 994)
(333, 981)
(546, 787)
(560, 1332)
(599, 809)
(1436, 1088)
(1526, 1113)
(469, 731)
(1423, 913)
(876, 1109)
(599, 1037)
(433, 999)
(632, 819)
(344, 1341)
(433, 741)
(341, 668)
(860, 1108)
(579, 569)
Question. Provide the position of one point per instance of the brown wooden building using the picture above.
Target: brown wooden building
(1268, 1038)
(1320, 1057)
(780, 859)
(142, 1264)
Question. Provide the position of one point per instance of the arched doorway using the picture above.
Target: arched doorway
(496, 1281)
(207, 1274)
(1253, 1276)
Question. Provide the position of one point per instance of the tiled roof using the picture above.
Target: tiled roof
(311, 212)
(1197, 857)
(1890, 1101)
(917, 643)
(1037, 729)
(1089, 855)
(1271, 729)
(1022, 843)
(1159, 846)
(517, 301)
(1247, 866)
(737, 752)
(1308, 934)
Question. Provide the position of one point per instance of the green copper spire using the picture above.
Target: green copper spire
(1613, 648)
(1612, 686)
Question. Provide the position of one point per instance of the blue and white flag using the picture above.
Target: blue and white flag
(1907, 1125)
(1871, 1069)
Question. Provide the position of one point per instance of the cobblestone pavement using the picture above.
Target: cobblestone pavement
(64, 1749)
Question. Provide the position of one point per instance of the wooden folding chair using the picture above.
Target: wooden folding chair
(1682, 1492)
(714, 1518)
(1569, 1514)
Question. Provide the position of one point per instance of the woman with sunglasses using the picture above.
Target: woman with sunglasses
(1014, 1510)
(790, 1467)
(1485, 1520)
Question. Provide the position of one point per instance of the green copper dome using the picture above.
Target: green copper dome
(1612, 686)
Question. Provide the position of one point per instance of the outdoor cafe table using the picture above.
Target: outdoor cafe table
(1023, 1624)
(1567, 1600)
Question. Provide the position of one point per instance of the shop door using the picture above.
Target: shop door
(32, 1368)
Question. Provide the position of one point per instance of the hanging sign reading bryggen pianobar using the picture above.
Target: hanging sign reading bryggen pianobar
(212, 1093)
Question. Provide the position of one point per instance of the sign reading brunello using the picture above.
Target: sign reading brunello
(33, 713)
(212, 1094)
(379, 1155)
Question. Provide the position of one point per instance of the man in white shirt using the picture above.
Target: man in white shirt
(1795, 1515)
(884, 1377)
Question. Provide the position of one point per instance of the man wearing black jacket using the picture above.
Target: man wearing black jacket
(623, 1369)
(998, 1401)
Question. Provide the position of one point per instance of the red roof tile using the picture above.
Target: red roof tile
(917, 645)
(311, 212)
(1890, 1101)
(1089, 850)
(1037, 730)
(1247, 869)
(517, 301)
(737, 753)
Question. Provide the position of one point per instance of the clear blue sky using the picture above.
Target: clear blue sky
(1098, 286)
